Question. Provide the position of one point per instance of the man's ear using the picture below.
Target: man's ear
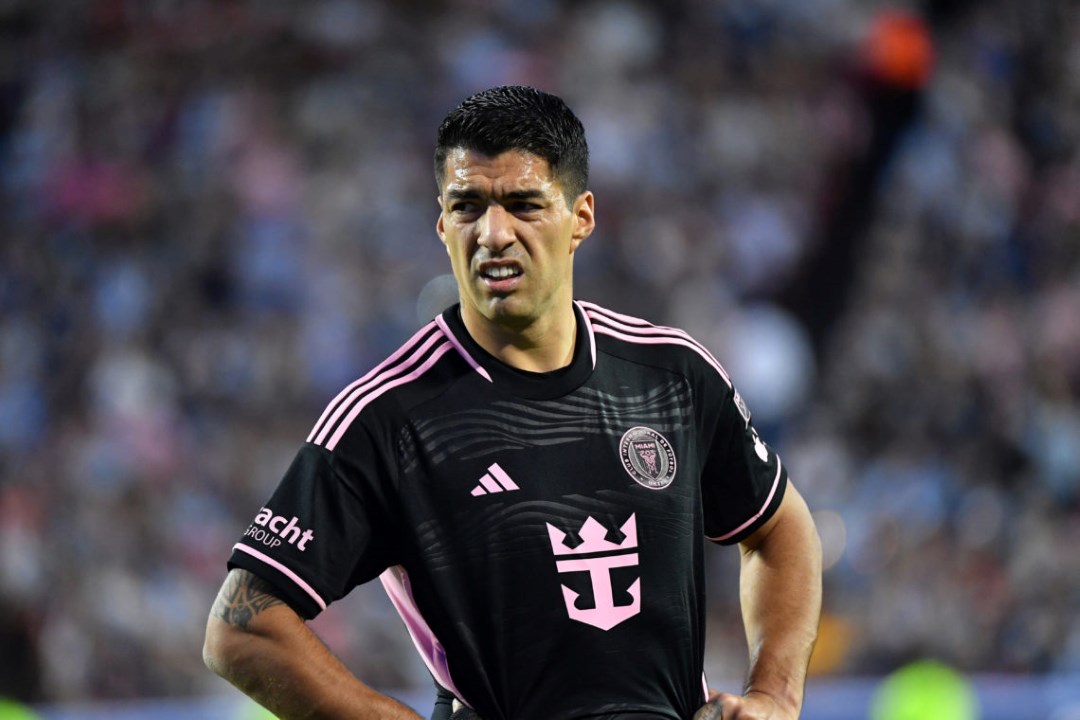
(439, 229)
(584, 218)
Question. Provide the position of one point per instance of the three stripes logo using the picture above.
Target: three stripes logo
(495, 480)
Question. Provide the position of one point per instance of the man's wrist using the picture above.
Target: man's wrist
(787, 704)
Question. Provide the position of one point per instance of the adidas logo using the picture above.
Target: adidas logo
(495, 480)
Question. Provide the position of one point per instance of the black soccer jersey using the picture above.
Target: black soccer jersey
(541, 535)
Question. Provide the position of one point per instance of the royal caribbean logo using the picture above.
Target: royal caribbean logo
(647, 457)
(601, 556)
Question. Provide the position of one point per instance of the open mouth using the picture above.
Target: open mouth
(502, 272)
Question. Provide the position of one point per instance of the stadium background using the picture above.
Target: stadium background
(215, 214)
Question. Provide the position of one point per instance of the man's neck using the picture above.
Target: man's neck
(542, 346)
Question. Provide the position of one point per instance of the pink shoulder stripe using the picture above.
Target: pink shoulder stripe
(589, 330)
(461, 348)
(334, 404)
(395, 580)
(658, 336)
(752, 520)
(633, 324)
(629, 319)
(376, 392)
(284, 571)
(374, 383)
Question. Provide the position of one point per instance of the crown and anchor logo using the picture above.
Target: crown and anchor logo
(604, 614)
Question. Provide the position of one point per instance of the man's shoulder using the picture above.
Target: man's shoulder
(421, 369)
(628, 328)
(643, 341)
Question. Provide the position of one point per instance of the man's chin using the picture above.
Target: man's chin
(506, 310)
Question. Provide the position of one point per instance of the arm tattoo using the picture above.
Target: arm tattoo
(242, 597)
(710, 711)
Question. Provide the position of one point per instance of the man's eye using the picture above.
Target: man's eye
(522, 206)
(464, 207)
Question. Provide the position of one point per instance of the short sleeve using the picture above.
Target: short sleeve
(319, 535)
(743, 480)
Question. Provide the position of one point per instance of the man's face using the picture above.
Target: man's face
(510, 234)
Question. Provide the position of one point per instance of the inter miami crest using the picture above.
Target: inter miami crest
(648, 457)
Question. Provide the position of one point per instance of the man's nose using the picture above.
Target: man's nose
(496, 228)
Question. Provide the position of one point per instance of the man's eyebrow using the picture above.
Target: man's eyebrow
(462, 194)
(532, 194)
(471, 194)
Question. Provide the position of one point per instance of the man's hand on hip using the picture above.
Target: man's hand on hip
(752, 706)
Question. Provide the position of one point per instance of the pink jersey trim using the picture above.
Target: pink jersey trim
(644, 329)
(420, 370)
(461, 348)
(330, 408)
(284, 571)
(376, 383)
(589, 330)
(751, 521)
(665, 340)
(395, 581)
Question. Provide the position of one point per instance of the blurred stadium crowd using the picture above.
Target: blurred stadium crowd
(215, 214)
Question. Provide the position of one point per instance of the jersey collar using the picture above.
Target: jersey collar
(533, 385)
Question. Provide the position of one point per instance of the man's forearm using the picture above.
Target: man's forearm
(260, 645)
(780, 588)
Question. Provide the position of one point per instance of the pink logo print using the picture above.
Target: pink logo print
(647, 451)
(605, 614)
(495, 480)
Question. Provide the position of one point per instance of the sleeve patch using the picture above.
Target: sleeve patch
(740, 405)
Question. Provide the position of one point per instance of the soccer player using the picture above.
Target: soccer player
(532, 478)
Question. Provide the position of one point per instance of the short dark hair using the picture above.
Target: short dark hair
(517, 117)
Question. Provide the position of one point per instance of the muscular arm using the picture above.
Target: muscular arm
(260, 645)
(780, 590)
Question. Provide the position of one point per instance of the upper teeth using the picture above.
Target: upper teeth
(501, 272)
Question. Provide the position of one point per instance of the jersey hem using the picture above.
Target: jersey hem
(300, 596)
(772, 503)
